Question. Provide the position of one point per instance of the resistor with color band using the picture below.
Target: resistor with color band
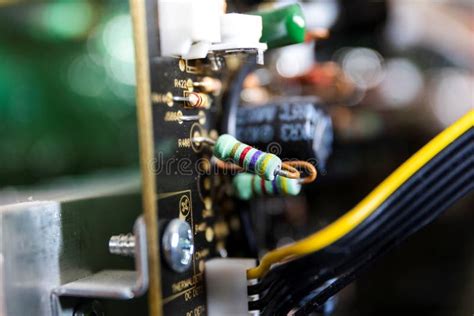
(250, 159)
(248, 186)
(195, 100)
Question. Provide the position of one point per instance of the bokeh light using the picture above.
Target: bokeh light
(118, 43)
(67, 90)
(86, 77)
(402, 83)
(295, 60)
(453, 94)
(363, 65)
(66, 20)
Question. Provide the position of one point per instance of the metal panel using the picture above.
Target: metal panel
(45, 244)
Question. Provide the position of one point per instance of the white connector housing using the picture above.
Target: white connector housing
(226, 286)
(192, 28)
(239, 31)
(188, 27)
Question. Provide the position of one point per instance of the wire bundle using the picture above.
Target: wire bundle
(413, 196)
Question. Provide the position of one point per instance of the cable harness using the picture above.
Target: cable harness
(301, 277)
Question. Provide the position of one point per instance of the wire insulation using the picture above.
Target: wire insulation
(367, 206)
(398, 210)
(416, 203)
(346, 278)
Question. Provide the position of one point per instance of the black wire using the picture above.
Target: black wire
(424, 177)
(230, 105)
(383, 233)
(340, 246)
(435, 197)
(302, 294)
(231, 98)
(440, 203)
(438, 164)
(348, 277)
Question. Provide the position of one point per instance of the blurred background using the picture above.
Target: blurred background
(67, 76)
(391, 73)
(67, 89)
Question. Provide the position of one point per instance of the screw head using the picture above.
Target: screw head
(178, 245)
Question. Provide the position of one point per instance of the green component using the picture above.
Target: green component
(283, 26)
(228, 148)
(243, 186)
(248, 186)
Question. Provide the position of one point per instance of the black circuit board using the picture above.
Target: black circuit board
(184, 184)
(186, 189)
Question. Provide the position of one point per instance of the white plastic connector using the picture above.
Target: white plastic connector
(240, 31)
(189, 27)
(226, 286)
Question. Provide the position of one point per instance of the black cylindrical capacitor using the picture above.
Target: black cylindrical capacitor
(295, 129)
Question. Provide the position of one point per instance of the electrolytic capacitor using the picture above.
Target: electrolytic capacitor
(297, 129)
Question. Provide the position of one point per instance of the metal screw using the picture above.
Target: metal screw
(178, 245)
(123, 245)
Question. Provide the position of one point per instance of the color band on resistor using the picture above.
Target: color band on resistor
(249, 158)
(195, 100)
(248, 186)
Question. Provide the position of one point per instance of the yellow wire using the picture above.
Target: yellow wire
(367, 206)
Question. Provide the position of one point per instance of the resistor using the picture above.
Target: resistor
(249, 158)
(248, 186)
(195, 100)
